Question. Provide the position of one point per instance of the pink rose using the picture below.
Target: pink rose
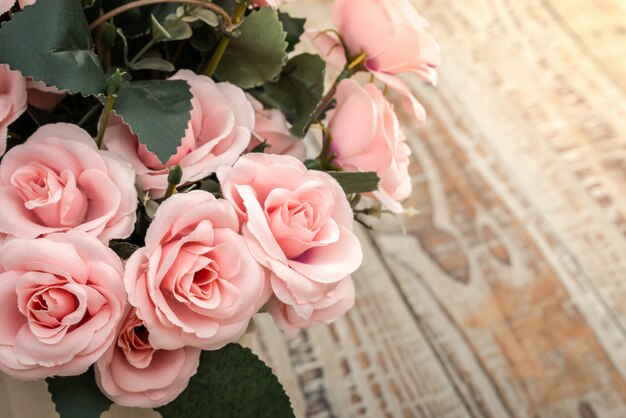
(298, 224)
(195, 282)
(394, 37)
(12, 101)
(219, 131)
(60, 301)
(366, 136)
(5, 5)
(59, 181)
(43, 97)
(334, 304)
(133, 373)
(270, 125)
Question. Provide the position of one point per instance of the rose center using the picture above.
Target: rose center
(53, 197)
(204, 280)
(38, 185)
(133, 340)
(49, 307)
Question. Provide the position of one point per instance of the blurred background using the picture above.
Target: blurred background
(505, 296)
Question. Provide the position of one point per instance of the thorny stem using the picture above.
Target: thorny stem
(228, 23)
(221, 47)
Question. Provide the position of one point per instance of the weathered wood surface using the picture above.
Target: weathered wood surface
(506, 294)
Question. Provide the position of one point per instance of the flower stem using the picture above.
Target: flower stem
(171, 190)
(140, 3)
(347, 72)
(141, 53)
(238, 15)
(174, 178)
(108, 108)
(89, 114)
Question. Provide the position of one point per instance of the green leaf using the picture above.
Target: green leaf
(157, 111)
(231, 382)
(78, 396)
(207, 16)
(157, 64)
(204, 38)
(297, 92)
(261, 147)
(258, 54)
(137, 22)
(191, 13)
(294, 28)
(50, 41)
(355, 182)
(171, 29)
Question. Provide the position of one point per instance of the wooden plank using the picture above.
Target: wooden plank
(476, 271)
(599, 27)
(518, 253)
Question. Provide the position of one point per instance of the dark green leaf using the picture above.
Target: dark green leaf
(191, 14)
(204, 38)
(354, 182)
(157, 111)
(258, 54)
(170, 29)
(211, 186)
(297, 92)
(294, 28)
(157, 64)
(50, 41)
(261, 147)
(137, 22)
(123, 249)
(78, 396)
(231, 383)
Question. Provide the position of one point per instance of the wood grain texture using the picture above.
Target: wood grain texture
(506, 295)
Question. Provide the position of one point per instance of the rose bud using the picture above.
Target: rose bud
(366, 136)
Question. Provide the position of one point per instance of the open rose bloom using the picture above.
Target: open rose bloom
(394, 38)
(61, 300)
(164, 182)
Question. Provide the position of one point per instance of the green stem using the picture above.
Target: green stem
(141, 53)
(350, 68)
(140, 3)
(238, 15)
(325, 159)
(89, 114)
(217, 56)
(105, 120)
(171, 189)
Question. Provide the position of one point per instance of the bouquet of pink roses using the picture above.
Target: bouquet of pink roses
(156, 193)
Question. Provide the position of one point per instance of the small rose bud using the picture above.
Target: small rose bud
(175, 176)
(114, 82)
